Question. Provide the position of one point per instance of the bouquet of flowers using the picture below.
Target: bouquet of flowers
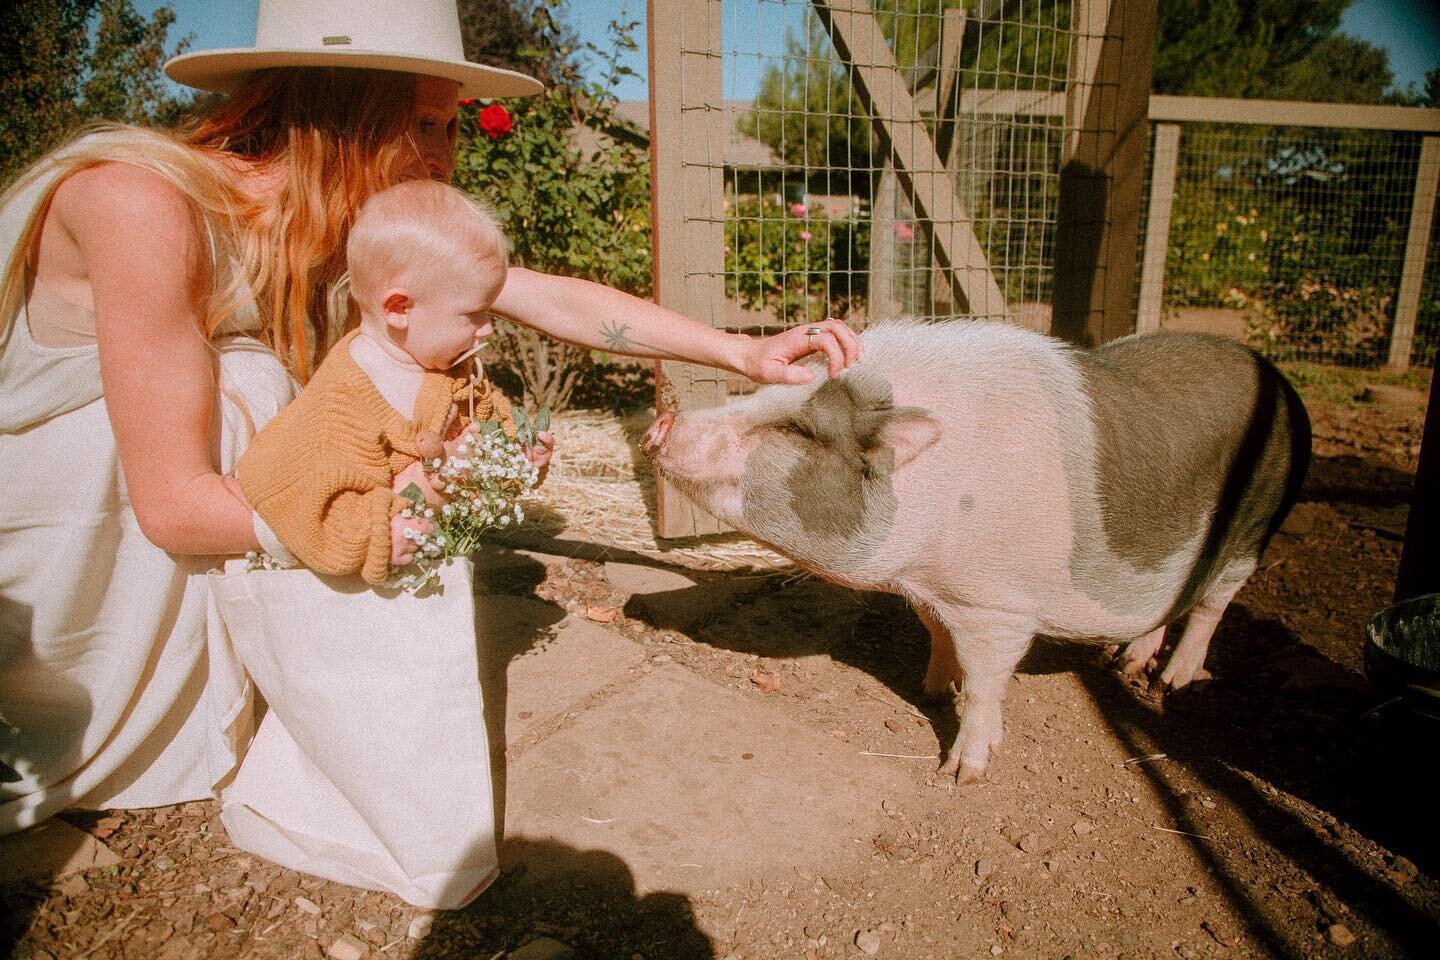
(484, 482)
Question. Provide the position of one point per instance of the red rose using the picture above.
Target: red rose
(495, 121)
(468, 102)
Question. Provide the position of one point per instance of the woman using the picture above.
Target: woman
(150, 284)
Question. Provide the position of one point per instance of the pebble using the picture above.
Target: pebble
(1340, 935)
(983, 868)
(346, 948)
(996, 950)
(307, 905)
(1031, 843)
(420, 926)
(72, 885)
(163, 863)
(543, 948)
(1082, 827)
(868, 941)
(1405, 868)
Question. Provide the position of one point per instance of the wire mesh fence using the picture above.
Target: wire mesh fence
(1295, 240)
(818, 219)
(907, 160)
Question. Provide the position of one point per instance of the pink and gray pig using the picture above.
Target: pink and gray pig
(1008, 485)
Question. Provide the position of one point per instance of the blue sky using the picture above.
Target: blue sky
(1408, 29)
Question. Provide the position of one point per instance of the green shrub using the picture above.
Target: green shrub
(572, 190)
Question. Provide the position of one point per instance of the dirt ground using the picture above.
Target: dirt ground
(1276, 810)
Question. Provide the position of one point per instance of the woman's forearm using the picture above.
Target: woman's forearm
(598, 317)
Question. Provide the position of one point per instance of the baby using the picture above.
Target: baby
(324, 476)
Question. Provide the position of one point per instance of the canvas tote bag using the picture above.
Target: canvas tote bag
(371, 763)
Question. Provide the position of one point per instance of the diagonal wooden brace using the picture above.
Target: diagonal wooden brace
(930, 190)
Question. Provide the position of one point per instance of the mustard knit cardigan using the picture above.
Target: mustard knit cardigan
(320, 472)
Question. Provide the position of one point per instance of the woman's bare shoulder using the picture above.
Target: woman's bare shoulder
(107, 193)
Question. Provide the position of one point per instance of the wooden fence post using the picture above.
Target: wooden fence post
(688, 137)
(1102, 168)
(1422, 216)
(1157, 227)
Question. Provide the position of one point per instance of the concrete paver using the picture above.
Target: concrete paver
(549, 661)
(691, 785)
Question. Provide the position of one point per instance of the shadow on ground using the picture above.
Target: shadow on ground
(585, 899)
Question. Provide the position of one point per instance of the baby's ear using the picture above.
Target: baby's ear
(397, 304)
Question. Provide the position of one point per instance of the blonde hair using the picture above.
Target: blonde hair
(334, 136)
(417, 233)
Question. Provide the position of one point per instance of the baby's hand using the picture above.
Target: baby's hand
(402, 549)
(542, 451)
(415, 473)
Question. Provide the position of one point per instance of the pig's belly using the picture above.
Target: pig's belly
(1106, 596)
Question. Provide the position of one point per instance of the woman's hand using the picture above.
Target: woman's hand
(773, 359)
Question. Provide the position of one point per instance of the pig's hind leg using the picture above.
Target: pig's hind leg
(1135, 655)
(1189, 655)
(944, 668)
(987, 645)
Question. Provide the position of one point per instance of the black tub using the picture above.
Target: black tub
(1402, 651)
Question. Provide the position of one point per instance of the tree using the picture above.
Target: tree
(73, 61)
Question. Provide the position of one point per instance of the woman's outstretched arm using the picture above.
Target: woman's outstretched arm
(601, 318)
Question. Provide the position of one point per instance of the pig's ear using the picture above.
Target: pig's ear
(904, 433)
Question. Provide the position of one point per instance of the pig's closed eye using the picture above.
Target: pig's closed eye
(798, 429)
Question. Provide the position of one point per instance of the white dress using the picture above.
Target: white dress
(110, 694)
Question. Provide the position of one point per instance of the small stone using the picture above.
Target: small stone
(219, 923)
(983, 868)
(1208, 804)
(307, 905)
(420, 926)
(543, 948)
(72, 885)
(1082, 827)
(1340, 935)
(894, 725)
(346, 947)
(1031, 843)
(868, 941)
(996, 950)
(1405, 868)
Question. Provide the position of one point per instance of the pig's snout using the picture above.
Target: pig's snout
(655, 436)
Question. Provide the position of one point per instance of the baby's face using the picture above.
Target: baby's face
(447, 319)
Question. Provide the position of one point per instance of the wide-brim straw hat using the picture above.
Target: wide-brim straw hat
(408, 36)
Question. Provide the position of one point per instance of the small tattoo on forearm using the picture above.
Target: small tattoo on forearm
(619, 341)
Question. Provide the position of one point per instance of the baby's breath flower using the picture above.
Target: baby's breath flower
(484, 483)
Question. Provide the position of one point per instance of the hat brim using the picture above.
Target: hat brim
(222, 71)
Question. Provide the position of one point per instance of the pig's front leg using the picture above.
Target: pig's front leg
(987, 645)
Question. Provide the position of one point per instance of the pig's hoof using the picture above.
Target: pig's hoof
(970, 773)
(962, 772)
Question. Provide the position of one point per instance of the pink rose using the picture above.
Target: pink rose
(798, 209)
(495, 121)
(904, 231)
(804, 234)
